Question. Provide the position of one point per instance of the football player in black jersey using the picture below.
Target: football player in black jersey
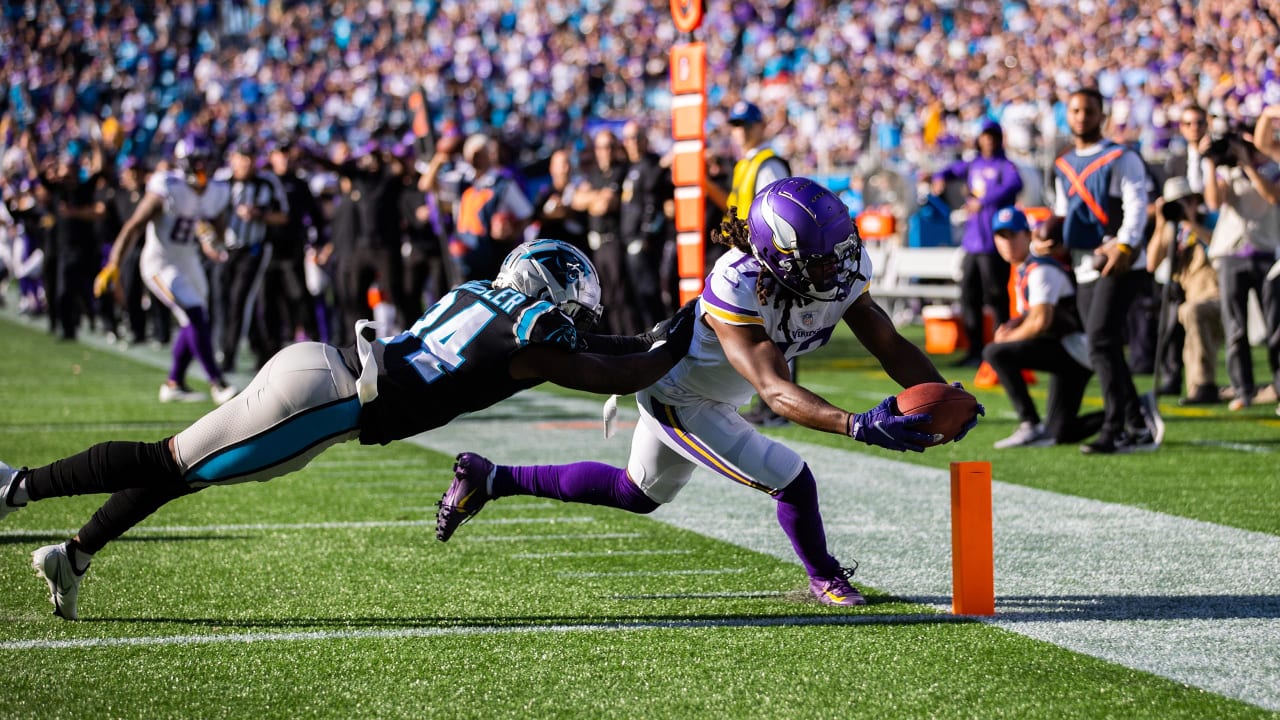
(480, 344)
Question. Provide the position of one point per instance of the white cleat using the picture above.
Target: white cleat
(53, 563)
(8, 475)
(174, 393)
(223, 394)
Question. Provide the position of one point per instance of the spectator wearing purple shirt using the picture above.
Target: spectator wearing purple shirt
(992, 182)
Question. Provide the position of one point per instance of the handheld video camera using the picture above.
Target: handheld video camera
(1228, 133)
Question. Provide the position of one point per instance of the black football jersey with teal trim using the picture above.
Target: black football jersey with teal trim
(455, 359)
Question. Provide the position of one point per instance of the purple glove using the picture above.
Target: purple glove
(972, 423)
(882, 426)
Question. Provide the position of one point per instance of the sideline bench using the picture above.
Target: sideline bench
(925, 273)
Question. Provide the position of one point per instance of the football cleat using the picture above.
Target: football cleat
(222, 393)
(1028, 434)
(53, 563)
(837, 590)
(8, 476)
(466, 495)
(177, 393)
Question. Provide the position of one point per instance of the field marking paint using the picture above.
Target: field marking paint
(602, 553)
(420, 632)
(258, 527)
(715, 595)
(1243, 447)
(1103, 579)
(653, 573)
(567, 536)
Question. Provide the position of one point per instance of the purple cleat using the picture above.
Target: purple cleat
(837, 590)
(465, 496)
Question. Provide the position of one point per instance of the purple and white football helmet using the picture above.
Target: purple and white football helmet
(802, 234)
(193, 157)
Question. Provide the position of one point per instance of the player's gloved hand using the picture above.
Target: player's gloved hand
(882, 426)
(105, 278)
(675, 332)
(679, 330)
(982, 411)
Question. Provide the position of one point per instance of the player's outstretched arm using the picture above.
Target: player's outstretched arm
(147, 209)
(902, 360)
(604, 374)
(607, 374)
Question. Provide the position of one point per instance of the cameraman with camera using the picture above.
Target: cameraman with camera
(1244, 187)
(1181, 236)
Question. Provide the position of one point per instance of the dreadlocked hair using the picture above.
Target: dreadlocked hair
(735, 233)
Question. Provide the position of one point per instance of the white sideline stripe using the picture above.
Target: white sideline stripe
(419, 632)
(712, 595)
(183, 529)
(500, 507)
(653, 573)
(582, 536)
(603, 553)
(1113, 581)
(1245, 447)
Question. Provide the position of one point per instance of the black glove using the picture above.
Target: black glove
(678, 332)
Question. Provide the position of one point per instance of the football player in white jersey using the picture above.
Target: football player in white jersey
(182, 214)
(795, 270)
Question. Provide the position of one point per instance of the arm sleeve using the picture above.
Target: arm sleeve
(614, 344)
(1059, 198)
(1132, 177)
(1004, 193)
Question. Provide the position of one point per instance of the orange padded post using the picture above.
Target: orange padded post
(972, 561)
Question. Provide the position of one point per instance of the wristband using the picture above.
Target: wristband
(1127, 250)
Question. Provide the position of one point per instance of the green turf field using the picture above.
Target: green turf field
(325, 594)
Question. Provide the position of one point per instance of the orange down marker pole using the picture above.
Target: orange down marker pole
(972, 567)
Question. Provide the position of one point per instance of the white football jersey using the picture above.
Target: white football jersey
(173, 233)
(730, 297)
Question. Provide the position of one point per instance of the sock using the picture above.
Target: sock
(202, 344)
(592, 483)
(123, 510)
(181, 356)
(802, 522)
(79, 558)
(105, 467)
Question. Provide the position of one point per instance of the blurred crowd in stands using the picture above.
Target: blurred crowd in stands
(521, 99)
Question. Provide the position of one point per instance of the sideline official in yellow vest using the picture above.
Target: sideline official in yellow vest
(759, 164)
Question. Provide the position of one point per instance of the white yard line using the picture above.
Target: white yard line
(1192, 601)
(602, 553)
(421, 632)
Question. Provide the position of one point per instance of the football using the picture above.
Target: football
(951, 408)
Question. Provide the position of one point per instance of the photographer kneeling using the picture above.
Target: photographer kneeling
(1244, 187)
(1180, 225)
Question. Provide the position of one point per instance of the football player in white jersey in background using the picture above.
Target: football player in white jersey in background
(795, 270)
(183, 214)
